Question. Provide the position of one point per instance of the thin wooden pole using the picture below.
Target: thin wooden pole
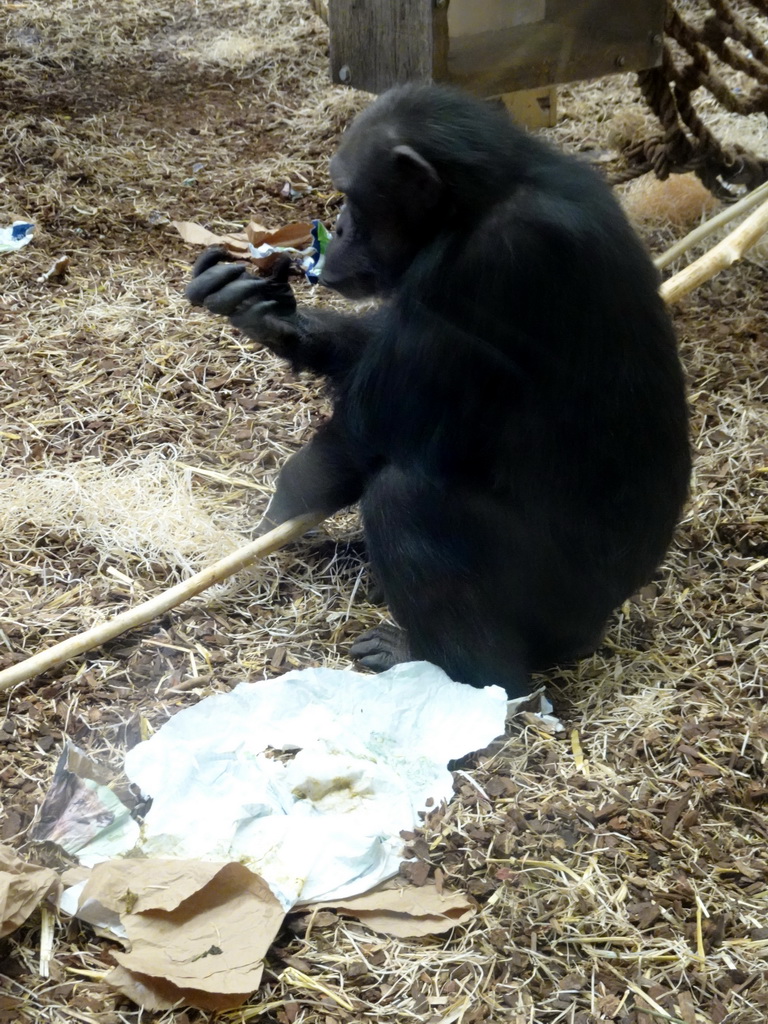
(719, 257)
(148, 610)
(725, 216)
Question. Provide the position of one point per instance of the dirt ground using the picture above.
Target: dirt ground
(620, 872)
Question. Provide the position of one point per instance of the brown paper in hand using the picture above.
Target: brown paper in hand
(198, 931)
(290, 236)
(296, 236)
(236, 244)
(407, 911)
(22, 887)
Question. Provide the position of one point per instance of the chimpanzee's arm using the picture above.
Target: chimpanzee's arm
(329, 343)
(323, 476)
(323, 341)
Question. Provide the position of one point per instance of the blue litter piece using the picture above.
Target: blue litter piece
(313, 265)
(16, 236)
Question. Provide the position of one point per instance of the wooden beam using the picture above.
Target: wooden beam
(379, 43)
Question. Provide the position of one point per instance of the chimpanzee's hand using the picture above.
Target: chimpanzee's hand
(264, 308)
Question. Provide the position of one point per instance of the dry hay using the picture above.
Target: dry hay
(145, 510)
(679, 203)
(620, 873)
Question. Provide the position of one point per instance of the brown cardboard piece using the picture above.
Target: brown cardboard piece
(291, 236)
(406, 911)
(22, 887)
(198, 931)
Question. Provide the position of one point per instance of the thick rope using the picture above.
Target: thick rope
(686, 144)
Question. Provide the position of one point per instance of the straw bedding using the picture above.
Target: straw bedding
(621, 872)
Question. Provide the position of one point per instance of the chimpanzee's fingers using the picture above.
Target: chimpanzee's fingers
(212, 280)
(248, 289)
(280, 270)
(256, 316)
(209, 258)
(379, 661)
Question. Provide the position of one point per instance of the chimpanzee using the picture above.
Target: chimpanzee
(511, 417)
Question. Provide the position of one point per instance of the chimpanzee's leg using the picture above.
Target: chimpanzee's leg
(431, 551)
(479, 589)
(322, 477)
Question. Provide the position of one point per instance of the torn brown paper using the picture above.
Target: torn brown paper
(198, 931)
(407, 911)
(22, 887)
(154, 994)
(297, 236)
(196, 234)
(58, 268)
(291, 236)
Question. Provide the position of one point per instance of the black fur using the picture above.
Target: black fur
(512, 418)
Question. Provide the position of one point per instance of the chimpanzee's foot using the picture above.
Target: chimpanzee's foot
(381, 648)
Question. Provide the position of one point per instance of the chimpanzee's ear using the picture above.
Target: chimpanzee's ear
(417, 177)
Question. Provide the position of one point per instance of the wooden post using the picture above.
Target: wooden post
(239, 559)
(534, 108)
(490, 47)
(378, 43)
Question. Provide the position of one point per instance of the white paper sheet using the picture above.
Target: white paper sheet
(325, 824)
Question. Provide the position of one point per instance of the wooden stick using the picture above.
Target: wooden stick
(719, 257)
(148, 610)
(708, 227)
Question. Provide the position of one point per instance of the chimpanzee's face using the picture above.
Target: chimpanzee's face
(349, 268)
(386, 218)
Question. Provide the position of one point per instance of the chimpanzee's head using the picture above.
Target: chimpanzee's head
(393, 203)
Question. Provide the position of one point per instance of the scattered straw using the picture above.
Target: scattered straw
(143, 510)
(681, 202)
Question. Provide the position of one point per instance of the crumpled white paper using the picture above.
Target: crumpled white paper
(326, 823)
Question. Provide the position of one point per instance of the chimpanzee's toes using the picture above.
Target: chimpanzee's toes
(381, 648)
